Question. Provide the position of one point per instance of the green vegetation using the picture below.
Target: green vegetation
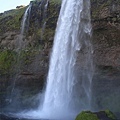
(56, 1)
(86, 115)
(27, 55)
(46, 35)
(43, 36)
(7, 59)
(110, 114)
(11, 20)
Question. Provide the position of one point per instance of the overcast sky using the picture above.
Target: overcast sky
(11, 4)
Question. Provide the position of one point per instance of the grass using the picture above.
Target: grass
(11, 20)
(7, 59)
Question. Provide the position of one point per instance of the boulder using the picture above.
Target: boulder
(102, 115)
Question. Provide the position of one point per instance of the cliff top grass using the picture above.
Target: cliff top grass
(12, 12)
(11, 20)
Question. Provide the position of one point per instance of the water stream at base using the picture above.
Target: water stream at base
(68, 89)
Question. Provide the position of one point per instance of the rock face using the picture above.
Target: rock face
(28, 69)
(106, 44)
(106, 29)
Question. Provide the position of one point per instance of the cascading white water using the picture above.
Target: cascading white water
(68, 89)
(25, 18)
(25, 22)
(72, 34)
(70, 71)
(20, 45)
(44, 19)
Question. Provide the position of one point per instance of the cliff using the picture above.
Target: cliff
(34, 59)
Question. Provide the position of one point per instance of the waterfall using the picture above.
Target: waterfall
(68, 89)
(26, 18)
(20, 45)
(25, 24)
(44, 18)
(70, 70)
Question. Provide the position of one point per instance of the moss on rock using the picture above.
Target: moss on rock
(101, 115)
(110, 114)
(27, 55)
(87, 115)
(7, 59)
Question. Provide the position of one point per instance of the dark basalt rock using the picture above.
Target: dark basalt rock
(9, 117)
(6, 117)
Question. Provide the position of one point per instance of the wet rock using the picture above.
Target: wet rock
(9, 117)
(102, 115)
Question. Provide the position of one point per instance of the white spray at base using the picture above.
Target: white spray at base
(68, 89)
